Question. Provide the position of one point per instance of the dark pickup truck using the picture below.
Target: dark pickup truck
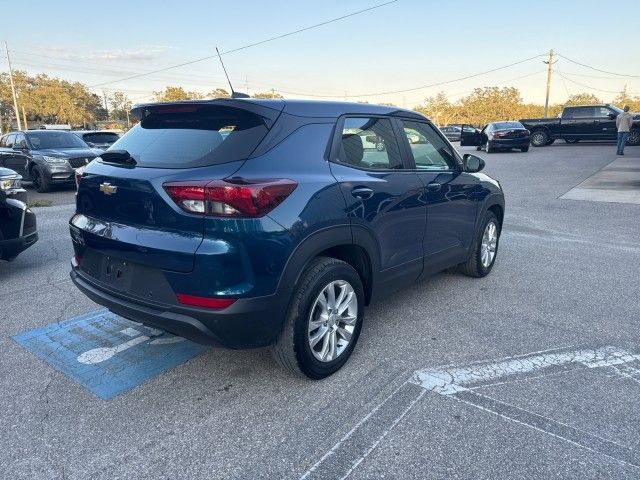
(588, 122)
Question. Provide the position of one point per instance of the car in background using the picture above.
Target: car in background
(581, 122)
(498, 136)
(101, 139)
(52, 156)
(280, 233)
(17, 222)
(452, 132)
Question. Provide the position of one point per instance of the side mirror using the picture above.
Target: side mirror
(611, 116)
(472, 164)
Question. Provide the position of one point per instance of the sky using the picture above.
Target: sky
(400, 46)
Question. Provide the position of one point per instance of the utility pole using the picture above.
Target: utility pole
(13, 88)
(549, 69)
(24, 119)
(106, 105)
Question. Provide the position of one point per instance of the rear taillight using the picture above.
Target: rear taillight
(78, 175)
(499, 134)
(230, 198)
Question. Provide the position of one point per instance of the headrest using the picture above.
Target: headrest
(352, 150)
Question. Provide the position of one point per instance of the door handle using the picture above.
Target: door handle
(362, 192)
(434, 186)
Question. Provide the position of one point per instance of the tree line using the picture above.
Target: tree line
(490, 104)
(43, 99)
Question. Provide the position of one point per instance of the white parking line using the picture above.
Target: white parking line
(460, 383)
(454, 380)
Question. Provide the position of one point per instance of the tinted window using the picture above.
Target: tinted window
(206, 135)
(20, 141)
(507, 125)
(45, 140)
(603, 111)
(369, 143)
(430, 151)
(579, 112)
(102, 137)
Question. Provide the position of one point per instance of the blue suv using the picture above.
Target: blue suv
(248, 223)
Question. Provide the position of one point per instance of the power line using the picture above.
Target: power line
(574, 74)
(412, 89)
(598, 69)
(494, 84)
(261, 42)
(593, 88)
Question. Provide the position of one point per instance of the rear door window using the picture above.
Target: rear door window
(193, 136)
(580, 112)
(369, 143)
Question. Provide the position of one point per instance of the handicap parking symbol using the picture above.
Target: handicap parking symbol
(108, 354)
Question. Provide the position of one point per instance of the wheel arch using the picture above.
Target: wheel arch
(498, 210)
(359, 250)
(493, 203)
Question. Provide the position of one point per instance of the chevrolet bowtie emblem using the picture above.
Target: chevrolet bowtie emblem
(107, 188)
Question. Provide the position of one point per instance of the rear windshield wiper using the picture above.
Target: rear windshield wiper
(118, 157)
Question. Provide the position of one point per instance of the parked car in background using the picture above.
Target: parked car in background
(52, 156)
(13, 159)
(280, 233)
(101, 139)
(498, 136)
(17, 222)
(452, 132)
(583, 122)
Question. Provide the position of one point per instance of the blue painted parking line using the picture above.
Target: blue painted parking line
(108, 354)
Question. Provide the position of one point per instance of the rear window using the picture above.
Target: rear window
(197, 136)
(100, 137)
(507, 125)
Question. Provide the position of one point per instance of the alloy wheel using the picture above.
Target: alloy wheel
(489, 244)
(332, 320)
(538, 139)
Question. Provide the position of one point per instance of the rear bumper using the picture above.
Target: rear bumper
(510, 142)
(248, 323)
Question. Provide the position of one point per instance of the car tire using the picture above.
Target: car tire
(478, 148)
(571, 140)
(40, 181)
(477, 266)
(550, 142)
(634, 137)
(487, 147)
(293, 348)
(539, 138)
(525, 149)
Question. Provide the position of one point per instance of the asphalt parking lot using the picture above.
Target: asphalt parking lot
(531, 372)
